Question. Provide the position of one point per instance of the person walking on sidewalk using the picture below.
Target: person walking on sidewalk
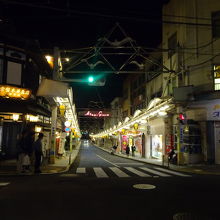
(133, 149)
(21, 150)
(127, 150)
(38, 153)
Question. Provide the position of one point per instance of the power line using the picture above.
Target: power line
(71, 11)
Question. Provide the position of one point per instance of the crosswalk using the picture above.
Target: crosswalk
(125, 172)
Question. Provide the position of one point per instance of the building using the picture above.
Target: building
(116, 111)
(182, 105)
(22, 67)
(31, 99)
(191, 37)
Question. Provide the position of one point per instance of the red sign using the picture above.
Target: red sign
(96, 114)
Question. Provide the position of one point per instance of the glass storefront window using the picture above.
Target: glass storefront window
(156, 146)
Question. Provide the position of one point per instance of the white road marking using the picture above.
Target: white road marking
(119, 172)
(154, 172)
(139, 173)
(81, 170)
(172, 172)
(4, 184)
(100, 173)
(107, 161)
(144, 186)
(68, 175)
(130, 163)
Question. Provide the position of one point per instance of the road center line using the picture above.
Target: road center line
(107, 161)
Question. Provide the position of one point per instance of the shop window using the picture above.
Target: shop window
(216, 24)
(156, 146)
(216, 77)
(172, 44)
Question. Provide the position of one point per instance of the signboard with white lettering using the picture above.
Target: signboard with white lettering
(212, 108)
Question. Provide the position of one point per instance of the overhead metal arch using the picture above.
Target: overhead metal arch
(109, 56)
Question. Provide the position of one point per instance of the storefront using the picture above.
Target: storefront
(138, 143)
(207, 116)
(17, 115)
(155, 140)
(124, 142)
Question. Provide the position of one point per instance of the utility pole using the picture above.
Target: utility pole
(54, 110)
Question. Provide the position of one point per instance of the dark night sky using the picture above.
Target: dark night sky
(71, 25)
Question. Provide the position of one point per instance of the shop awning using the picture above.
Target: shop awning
(52, 88)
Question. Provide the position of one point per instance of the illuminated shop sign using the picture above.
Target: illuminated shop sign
(97, 114)
(14, 92)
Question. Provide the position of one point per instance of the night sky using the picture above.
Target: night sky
(71, 25)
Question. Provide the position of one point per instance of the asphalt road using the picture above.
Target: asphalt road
(101, 186)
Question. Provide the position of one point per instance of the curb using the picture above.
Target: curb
(65, 169)
(189, 170)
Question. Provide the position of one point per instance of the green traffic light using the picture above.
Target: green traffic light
(91, 79)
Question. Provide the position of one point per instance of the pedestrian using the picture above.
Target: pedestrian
(26, 163)
(133, 149)
(172, 157)
(127, 150)
(114, 148)
(38, 153)
(21, 150)
(29, 141)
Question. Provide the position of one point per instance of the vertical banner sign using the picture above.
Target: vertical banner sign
(53, 135)
(181, 133)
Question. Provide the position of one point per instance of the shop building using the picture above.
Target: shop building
(192, 55)
(21, 70)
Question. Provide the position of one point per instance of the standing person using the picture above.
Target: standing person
(127, 150)
(29, 142)
(21, 150)
(38, 153)
(133, 149)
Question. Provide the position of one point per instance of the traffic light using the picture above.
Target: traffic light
(90, 79)
(98, 80)
(182, 118)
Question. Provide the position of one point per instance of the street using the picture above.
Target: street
(101, 186)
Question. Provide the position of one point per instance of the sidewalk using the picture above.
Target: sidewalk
(213, 169)
(8, 167)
